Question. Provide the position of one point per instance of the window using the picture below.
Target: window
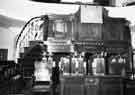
(3, 54)
(59, 29)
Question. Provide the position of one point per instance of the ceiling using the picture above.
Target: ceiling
(25, 9)
(103, 2)
(10, 22)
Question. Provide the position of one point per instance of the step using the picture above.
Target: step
(41, 90)
(35, 42)
(15, 94)
(42, 83)
(26, 49)
(21, 55)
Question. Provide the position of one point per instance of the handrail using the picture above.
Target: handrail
(26, 26)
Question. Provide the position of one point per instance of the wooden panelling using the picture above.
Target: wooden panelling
(111, 86)
(89, 32)
(92, 85)
(72, 86)
(113, 29)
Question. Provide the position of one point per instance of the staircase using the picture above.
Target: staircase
(31, 35)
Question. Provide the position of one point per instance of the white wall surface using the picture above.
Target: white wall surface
(7, 41)
(24, 10)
